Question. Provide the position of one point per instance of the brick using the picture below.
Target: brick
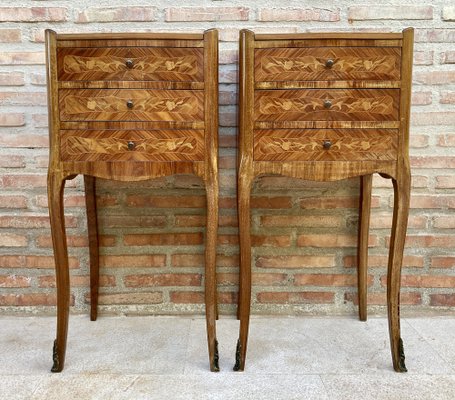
(338, 280)
(310, 203)
(30, 299)
(423, 58)
(295, 297)
(421, 98)
(38, 80)
(444, 300)
(206, 14)
(128, 261)
(312, 221)
(23, 99)
(12, 161)
(434, 36)
(40, 120)
(432, 201)
(228, 118)
(371, 12)
(228, 56)
(117, 14)
(445, 182)
(23, 181)
(270, 240)
(33, 14)
(24, 140)
(446, 222)
(384, 221)
(448, 57)
(187, 297)
(33, 262)
(442, 262)
(269, 279)
(446, 140)
(418, 142)
(76, 280)
(448, 13)
(420, 181)
(295, 261)
(166, 201)
(226, 75)
(72, 240)
(381, 261)
(162, 280)
(423, 241)
(31, 221)
(12, 119)
(14, 281)
(432, 162)
(298, 14)
(227, 97)
(10, 35)
(380, 299)
(13, 240)
(163, 239)
(328, 240)
(447, 98)
(129, 298)
(271, 202)
(230, 279)
(22, 58)
(124, 221)
(187, 260)
(13, 201)
(12, 79)
(434, 78)
(424, 281)
(228, 239)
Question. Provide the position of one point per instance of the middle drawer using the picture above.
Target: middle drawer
(130, 105)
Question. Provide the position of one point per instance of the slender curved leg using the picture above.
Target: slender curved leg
(56, 185)
(244, 193)
(211, 309)
(362, 255)
(401, 188)
(93, 243)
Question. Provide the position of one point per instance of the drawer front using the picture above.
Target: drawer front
(326, 105)
(129, 64)
(327, 63)
(131, 105)
(112, 145)
(326, 145)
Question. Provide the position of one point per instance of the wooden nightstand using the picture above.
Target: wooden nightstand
(325, 107)
(130, 107)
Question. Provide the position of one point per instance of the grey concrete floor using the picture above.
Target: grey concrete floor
(166, 358)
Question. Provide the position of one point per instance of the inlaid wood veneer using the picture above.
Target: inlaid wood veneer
(130, 107)
(326, 107)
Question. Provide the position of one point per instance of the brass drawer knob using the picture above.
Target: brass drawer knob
(327, 103)
(129, 63)
(327, 144)
(131, 145)
(129, 104)
(329, 63)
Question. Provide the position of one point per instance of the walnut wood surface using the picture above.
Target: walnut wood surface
(126, 64)
(130, 107)
(291, 103)
(327, 64)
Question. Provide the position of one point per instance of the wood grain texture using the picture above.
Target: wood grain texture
(325, 145)
(327, 64)
(130, 107)
(130, 64)
(302, 117)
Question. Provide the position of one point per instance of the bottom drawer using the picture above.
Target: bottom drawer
(112, 145)
(326, 145)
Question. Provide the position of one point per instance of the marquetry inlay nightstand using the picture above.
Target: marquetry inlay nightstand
(325, 107)
(130, 107)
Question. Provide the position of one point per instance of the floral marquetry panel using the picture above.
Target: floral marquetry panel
(129, 64)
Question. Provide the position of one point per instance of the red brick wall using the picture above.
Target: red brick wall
(152, 233)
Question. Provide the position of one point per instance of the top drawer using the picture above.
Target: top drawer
(130, 64)
(327, 64)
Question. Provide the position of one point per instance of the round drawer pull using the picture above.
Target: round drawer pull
(129, 104)
(327, 104)
(129, 63)
(131, 145)
(329, 63)
(327, 144)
